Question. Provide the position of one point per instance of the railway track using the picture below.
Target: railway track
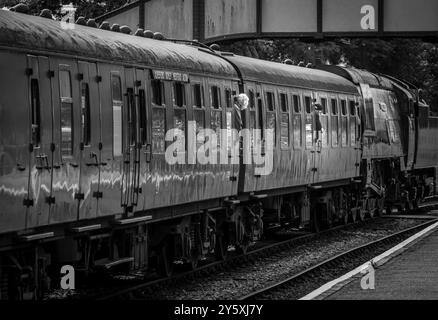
(134, 289)
(269, 249)
(311, 278)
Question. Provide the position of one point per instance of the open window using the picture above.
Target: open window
(157, 92)
(36, 112)
(270, 101)
(85, 114)
(215, 93)
(198, 95)
(297, 126)
(179, 94)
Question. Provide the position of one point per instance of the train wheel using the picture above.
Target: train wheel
(362, 214)
(221, 248)
(243, 248)
(371, 207)
(193, 264)
(165, 259)
(354, 215)
(345, 216)
(380, 205)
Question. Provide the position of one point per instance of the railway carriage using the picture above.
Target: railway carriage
(84, 179)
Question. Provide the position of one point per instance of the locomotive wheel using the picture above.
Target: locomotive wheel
(221, 248)
(380, 204)
(371, 207)
(243, 248)
(165, 260)
(193, 264)
(353, 215)
(362, 214)
(345, 217)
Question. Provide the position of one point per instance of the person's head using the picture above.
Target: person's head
(242, 101)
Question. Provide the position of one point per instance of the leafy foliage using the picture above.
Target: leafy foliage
(413, 60)
(86, 8)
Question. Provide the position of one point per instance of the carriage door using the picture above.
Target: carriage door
(309, 136)
(412, 136)
(41, 130)
(260, 125)
(130, 160)
(65, 160)
(90, 158)
(143, 149)
(355, 134)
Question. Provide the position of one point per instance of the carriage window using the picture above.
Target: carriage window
(297, 130)
(344, 133)
(284, 106)
(324, 105)
(334, 107)
(308, 104)
(284, 131)
(157, 92)
(158, 129)
(199, 116)
(142, 114)
(36, 112)
(324, 132)
(132, 117)
(198, 95)
(335, 127)
(179, 94)
(179, 122)
(297, 103)
(66, 113)
(215, 97)
(65, 83)
(117, 114)
(251, 99)
(228, 99)
(352, 108)
(353, 135)
(271, 124)
(216, 124)
(252, 125)
(344, 107)
(309, 129)
(270, 100)
(85, 114)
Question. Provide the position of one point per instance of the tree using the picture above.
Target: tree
(86, 8)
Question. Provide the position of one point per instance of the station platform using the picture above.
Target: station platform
(410, 272)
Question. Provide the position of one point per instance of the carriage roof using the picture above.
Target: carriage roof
(290, 75)
(41, 34)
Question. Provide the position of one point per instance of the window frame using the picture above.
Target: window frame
(334, 115)
(194, 85)
(297, 97)
(64, 100)
(85, 120)
(218, 94)
(119, 105)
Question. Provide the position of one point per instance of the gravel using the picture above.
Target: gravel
(243, 279)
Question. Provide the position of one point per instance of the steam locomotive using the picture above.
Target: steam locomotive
(84, 180)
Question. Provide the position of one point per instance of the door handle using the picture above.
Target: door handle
(74, 165)
(20, 167)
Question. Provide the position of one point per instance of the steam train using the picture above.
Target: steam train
(84, 111)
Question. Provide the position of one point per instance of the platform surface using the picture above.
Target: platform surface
(412, 275)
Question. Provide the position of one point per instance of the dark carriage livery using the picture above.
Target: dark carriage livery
(83, 177)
